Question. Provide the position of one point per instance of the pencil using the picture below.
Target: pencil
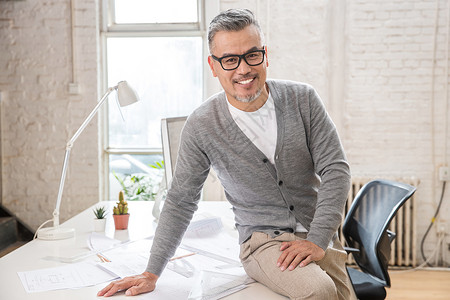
(182, 256)
(102, 258)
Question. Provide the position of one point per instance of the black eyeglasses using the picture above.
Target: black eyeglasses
(232, 62)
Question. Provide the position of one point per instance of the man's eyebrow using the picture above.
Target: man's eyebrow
(249, 50)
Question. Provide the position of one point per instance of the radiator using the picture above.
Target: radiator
(403, 251)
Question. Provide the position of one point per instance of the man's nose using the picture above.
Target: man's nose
(243, 67)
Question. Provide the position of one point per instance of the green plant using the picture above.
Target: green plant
(158, 165)
(141, 186)
(100, 212)
(122, 205)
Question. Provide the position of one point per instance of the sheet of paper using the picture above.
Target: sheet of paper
(132, 259)
(67, 276)
(211, 285)
(99, 242)
(171, 286)
(204, 227)
(190, 265)
(216, 246)
(137, 248)
(92, 274)
(215, 262)
(127, 266)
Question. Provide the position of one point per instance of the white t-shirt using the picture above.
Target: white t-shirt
(261, 128)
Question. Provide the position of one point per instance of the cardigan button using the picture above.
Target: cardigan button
(265, 160)
(280, 182)
(291, 208)
(276, 232)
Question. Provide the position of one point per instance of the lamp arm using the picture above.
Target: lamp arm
(67, 153)
(61, 187)
(91, 115)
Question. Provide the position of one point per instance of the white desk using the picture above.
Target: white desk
(30, 256)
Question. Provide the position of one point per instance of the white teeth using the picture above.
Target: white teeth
(246, 81)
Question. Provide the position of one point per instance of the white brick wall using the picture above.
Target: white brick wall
(38, 115)
(388, 127)
(370, 60)
(383, 111)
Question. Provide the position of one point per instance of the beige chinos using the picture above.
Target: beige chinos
(326, 279)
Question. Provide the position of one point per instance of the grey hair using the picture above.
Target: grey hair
(232, 20)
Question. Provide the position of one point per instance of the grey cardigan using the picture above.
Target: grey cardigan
(308, 183)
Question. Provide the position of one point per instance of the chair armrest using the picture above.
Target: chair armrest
(391, 235)
(351, 250)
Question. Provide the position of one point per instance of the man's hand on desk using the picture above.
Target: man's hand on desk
(134, 285)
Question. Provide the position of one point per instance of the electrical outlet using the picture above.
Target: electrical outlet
(444, 173)
(441, 227)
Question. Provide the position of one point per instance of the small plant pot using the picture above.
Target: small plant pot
(99, 225)
(121, 221)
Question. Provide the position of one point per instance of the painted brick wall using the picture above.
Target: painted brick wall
(38, 114)
(389, 106)
(372, 63)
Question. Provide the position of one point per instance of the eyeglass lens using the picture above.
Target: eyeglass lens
(252, 59)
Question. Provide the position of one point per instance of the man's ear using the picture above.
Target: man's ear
(211, 65)
(267, 56)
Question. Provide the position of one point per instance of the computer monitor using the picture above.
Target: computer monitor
(170, 135)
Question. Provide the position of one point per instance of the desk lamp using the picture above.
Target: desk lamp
(125, 96)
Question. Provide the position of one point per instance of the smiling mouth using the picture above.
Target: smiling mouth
(245, 81)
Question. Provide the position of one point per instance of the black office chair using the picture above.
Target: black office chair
(366, 232)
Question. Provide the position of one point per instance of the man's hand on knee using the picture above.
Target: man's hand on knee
(133, 285)
(298, 253)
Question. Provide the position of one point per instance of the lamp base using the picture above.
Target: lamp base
(55, 233)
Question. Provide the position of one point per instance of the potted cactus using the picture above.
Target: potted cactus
(100, 218)
(120, 213)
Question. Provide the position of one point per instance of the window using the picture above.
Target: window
(155, 11)
(157, 46)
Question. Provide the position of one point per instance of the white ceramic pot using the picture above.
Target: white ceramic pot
(99, 225)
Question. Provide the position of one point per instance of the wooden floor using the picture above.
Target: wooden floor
(420, 284)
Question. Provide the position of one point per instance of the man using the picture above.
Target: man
(281, 163)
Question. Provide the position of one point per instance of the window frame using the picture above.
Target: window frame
(110, 29)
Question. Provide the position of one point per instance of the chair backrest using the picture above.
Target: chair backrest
(366, 224)
(170, 134)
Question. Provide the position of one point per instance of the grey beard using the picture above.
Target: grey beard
(249, 98)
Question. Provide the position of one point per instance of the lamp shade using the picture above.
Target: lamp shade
(126, 94)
